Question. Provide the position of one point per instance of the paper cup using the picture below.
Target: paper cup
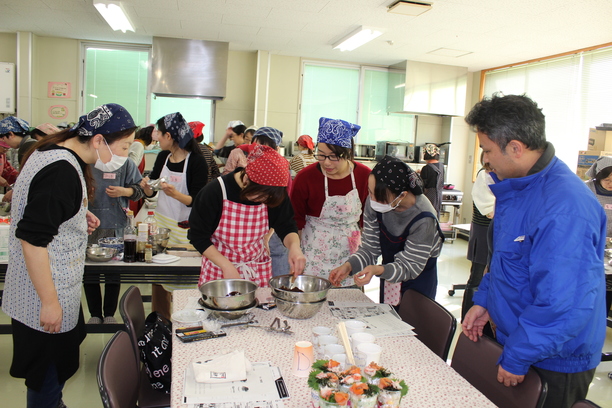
(331, 349)
(341, 358)
(354, 326)
(324, 341)
(303, 357)
(319, 331)
(359, 338)
(367, 353)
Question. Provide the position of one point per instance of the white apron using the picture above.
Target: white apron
(170, 212)
(328, 240)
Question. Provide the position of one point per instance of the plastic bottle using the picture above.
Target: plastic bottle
(150, 220)
(129, 239)
(4, 239)
(141, 241)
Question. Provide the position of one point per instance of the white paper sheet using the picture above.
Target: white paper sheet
(264, 383)
(382, 320)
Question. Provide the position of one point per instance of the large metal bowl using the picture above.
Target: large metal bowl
(215, 294)
(100, 254)
(298, 310)
(227, 314)
(314, 288)
(160, 240)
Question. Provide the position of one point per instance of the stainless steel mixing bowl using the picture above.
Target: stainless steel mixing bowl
(314, 288)
(298, 310)
(100, 254)
(215, 294)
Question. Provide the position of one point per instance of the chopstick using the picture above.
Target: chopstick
(346, 342)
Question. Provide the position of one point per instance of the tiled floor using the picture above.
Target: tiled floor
(82, 391)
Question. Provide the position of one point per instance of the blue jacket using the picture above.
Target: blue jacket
(546, 289)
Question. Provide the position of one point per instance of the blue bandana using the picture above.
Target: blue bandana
(337, 132)
(13, 124)
(178, 128)
(274, 134)
(104, 120)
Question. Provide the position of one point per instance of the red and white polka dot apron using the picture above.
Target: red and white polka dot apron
(239, 237)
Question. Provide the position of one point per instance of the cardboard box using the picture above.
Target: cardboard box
(588, 157)
(600, 140)
(581, 172)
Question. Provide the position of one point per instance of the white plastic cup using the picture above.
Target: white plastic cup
(341, 358)
(331, 349)
(303, 357)
(368, 353)
(319, 331)
(324, 341)
(359, 338)
(354, 326)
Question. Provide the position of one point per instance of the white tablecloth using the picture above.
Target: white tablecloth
(431, 381)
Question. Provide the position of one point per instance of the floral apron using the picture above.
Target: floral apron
(239, 238)
(328, 240)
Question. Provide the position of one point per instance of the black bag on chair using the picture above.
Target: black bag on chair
(156, 351)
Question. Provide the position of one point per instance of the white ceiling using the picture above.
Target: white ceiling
(495, 32)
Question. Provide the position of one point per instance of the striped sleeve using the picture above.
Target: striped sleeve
(422, 244)
(369, 251)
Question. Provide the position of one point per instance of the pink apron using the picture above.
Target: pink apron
(239, 238)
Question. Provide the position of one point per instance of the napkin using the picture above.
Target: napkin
(228, 367)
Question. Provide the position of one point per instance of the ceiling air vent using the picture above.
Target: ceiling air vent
(409, 8)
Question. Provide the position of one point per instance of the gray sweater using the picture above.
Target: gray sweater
(423, 242)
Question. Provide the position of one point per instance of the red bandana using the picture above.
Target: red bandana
(196, 127)
(267, 167)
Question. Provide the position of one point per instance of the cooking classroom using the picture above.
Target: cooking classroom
(305, 204)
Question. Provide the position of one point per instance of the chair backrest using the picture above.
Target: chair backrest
(434, 325)
(132, 312)
(477, 363)
(118, 373)
(585, 404)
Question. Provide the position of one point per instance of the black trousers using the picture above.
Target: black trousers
(476, 273)
(93, 294)
(564, 389)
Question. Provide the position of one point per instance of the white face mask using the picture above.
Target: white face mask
(114, 164)
(384, 208)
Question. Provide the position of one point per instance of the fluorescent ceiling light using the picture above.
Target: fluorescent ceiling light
(113, 13)
(409, 8)
(357, 38)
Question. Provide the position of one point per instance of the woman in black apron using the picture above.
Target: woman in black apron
(400, 224)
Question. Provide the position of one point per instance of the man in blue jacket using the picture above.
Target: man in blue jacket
(545, 291)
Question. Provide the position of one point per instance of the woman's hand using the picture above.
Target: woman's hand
(116, 191)
(170, 190)
(230, 272)
(148, 190)
(3, 182)
(51, 317)
(365, 276)
(8, 196)
(92, 222)
(336, 276)
(297, 260)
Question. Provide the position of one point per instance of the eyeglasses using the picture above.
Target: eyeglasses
(321, 157)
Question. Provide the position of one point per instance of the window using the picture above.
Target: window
(328, 91)
(114, 74)
(357, 94)
(573, 91)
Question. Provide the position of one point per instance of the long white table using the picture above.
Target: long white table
(432, 382)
